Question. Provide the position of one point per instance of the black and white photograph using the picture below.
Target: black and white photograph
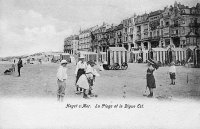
(99, 64)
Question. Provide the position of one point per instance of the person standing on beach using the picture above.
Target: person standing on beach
(80, 69)
(19, 66)
(61, 80)
(151, 84)
(172, 73)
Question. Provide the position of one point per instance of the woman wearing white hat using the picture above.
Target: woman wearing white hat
(80, 69)
(61, 80)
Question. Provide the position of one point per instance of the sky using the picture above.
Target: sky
(31, 26)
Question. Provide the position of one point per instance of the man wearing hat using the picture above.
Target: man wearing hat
(80, 69)
(172, 73)
(61, 80)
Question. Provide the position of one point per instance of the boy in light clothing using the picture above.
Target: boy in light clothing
(61, 80)
(172, 73)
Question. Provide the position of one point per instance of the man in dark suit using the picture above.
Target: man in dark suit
(19, 65)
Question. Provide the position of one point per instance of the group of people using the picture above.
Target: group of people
(85, 77)
(150, 77)
(12, 69)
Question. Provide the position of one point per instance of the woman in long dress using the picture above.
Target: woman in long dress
(86, 80)
(151, 84)
(80, 69)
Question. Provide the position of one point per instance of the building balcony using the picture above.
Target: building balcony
(119, 40)
(175, 25)
(156, 38)
(119, 35)
(160, 27)
(194, 24)
(138, 40)
(174, 35)
(145, 30)
(138, 33)
(130, 33)
(145, 37)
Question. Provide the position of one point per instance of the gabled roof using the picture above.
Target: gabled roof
(191, 34)
(158, 12)
(191, 47)
(178, 49)
(117, 49)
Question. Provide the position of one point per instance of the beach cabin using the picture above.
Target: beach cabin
(116, 55)
(55, 58)
(197, 57)
(135, 55)
(193, 56)
(190, 52)
(65, 56)
(89, 56)
(145, 55)
(102, 57)
(176, 54)
(158, 54)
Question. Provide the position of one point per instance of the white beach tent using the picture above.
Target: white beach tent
(158, 54)
(116, 55)
(135, 54)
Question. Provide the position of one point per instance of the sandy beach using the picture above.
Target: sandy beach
(40, 80)
(29, 101)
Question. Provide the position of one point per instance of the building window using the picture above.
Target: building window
(183, 21)
(183, 31)
(161, 32)
(150, 34)
(191, 20)
(183, 42)
(158, 33)
(167, 23)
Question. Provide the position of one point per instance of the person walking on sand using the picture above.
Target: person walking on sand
(172, 73)
(19, 66)
(91, 74)
(61, 80)
(80, 69)
(150, 79)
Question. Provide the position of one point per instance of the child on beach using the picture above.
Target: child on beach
(61, 80)
(172, 73)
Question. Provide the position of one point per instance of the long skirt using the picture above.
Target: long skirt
(83, 82)
(151, 81)
(61, 88)
(79, 73)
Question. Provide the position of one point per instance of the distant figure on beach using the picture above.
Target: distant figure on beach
(151, 84)
(172, 73)
(61, 80)
(13, 67)
(19, 66)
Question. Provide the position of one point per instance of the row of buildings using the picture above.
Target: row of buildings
(176, 26)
